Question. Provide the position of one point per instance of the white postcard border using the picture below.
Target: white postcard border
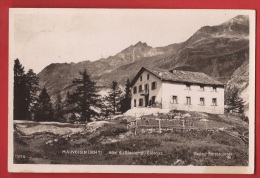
(61, 168)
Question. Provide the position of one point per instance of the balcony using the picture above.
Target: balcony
(144, 92)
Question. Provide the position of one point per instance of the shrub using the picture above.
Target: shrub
(244, 118)
(113, 130)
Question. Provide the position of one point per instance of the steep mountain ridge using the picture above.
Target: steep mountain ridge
(129, 55)
(216, 45)
(58, 76)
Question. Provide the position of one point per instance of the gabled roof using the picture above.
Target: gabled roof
(179, 76)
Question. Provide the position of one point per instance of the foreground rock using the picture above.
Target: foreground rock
(56, 128)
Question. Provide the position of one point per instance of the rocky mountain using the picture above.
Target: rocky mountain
(58, 76)
(218, 51)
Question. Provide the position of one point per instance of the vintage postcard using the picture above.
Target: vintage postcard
(131, 91)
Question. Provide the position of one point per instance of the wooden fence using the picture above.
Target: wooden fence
(163, 124)
(159, 125)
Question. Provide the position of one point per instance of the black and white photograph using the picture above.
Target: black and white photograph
(131, 90)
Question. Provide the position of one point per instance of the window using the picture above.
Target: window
(154, 85)
(146, 87)
(135, 90)
(202, 88)
(174, 100)
(202, 101)
(214, 101)
(148, 76)
(141, 102)
(134, 102)
(187, 86)
(140, 88)
(188, 100)
(214, 89)
(141, 78)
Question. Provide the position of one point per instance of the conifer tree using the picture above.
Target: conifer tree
(85, 100)
(32, 83)
(25, 92)
(43, 111)
(106, 109)
(19, 100)
(58, 108)
(126, 101)
(114, 97)
(234, 102)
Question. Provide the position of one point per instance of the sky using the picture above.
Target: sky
(39, 37)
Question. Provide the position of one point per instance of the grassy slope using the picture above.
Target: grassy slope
(177, 148)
